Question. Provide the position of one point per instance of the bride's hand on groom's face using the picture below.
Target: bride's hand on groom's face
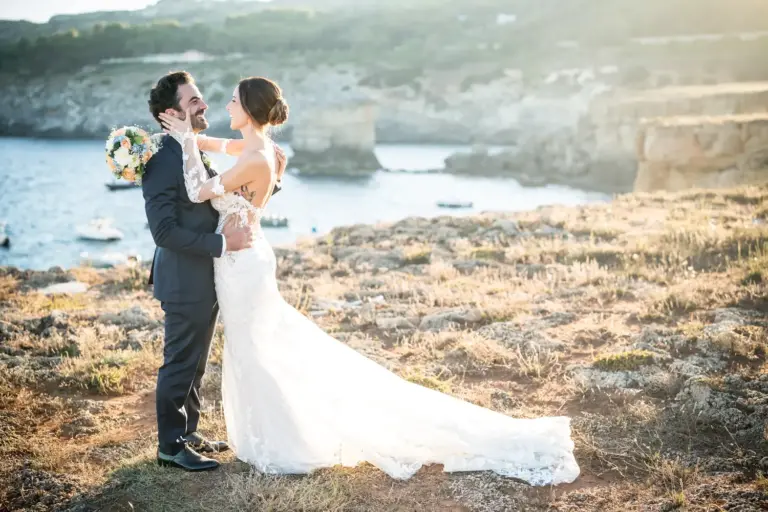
(174, 126)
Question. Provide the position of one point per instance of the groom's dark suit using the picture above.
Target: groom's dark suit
(182, 272)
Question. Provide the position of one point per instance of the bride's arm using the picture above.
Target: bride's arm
(235, 147)
(199, 187)
(232, 147)
(244, 171)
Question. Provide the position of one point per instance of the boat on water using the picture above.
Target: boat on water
(274, 221)
(455, 204)
(99, 230)
(121, 185)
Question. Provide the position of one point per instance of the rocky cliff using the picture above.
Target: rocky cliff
(617, 116)
(438, 107)
(568, 113)
(597, 147)
(338, 139)
(676, 153)
(547, 78)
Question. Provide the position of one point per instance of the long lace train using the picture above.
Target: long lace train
(295, 399)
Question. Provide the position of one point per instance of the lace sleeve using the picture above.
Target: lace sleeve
(195, 175)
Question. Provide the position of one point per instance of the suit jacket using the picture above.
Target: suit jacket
(183, 231)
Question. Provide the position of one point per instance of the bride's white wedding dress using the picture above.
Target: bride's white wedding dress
(295, 399)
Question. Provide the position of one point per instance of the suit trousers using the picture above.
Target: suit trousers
(189, 330)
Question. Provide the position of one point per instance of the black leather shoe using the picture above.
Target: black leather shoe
(187, 459)
(203, 445)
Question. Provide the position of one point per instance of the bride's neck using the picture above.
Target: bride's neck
(255, 136)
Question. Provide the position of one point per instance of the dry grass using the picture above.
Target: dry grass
(428, 381)
(418, 255)
(657, 283)
(624, 361)
(538, 363)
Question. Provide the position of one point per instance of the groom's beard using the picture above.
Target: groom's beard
(199, 122)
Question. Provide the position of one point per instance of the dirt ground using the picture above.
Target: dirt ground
(644, 319)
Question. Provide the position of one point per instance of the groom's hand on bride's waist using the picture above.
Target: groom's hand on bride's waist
(236, 237)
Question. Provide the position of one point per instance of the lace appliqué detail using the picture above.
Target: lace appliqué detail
(232, 205)
(218, 188)
(195, 173)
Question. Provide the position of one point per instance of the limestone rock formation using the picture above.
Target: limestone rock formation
(336, 139)
(616, 116)
(675, 153)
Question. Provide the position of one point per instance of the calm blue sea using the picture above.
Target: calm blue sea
(49, 187)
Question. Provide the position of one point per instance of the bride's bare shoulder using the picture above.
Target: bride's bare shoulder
(253, 158)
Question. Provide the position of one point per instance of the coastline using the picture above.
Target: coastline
(585, 182)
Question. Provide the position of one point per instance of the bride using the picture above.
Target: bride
(294, 398)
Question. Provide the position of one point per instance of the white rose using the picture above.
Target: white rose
(123, 156)
(135, 161)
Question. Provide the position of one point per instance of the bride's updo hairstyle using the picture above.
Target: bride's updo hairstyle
(263, 101)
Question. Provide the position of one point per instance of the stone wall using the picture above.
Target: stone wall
(676, 153)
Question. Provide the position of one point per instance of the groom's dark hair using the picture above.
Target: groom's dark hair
(165, 94)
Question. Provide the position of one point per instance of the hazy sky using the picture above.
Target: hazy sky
(42, 10)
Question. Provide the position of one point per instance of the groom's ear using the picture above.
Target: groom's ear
(174, 113)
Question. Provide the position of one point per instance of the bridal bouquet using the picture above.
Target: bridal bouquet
(128, 150)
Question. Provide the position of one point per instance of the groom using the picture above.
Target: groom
(182, 272)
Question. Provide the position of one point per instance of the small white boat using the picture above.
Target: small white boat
(99, 230)
(455, 204)
(273, 221)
